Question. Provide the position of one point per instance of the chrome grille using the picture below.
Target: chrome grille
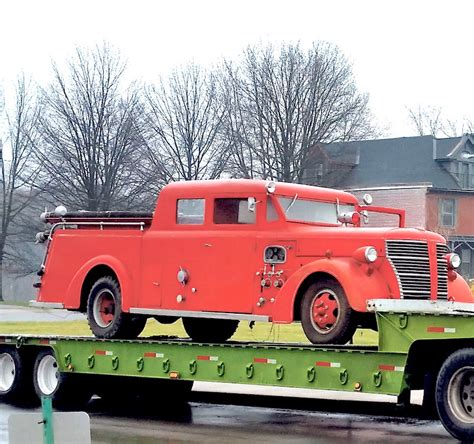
(441, 251)
(411, 262)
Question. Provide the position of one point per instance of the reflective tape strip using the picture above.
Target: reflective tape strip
(328, 364)
(434, 329)
(47, 342)
(207, 358)
(153, 355)
(6, 340)
(104, 352)
(391, 368)
(264, 361)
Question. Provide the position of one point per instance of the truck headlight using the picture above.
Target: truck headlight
(370, 254)
(454, 261)
(365, 255)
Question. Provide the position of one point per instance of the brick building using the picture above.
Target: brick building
(432, 179)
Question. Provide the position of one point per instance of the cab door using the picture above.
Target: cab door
(233, 239)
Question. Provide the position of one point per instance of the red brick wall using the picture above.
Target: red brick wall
(412, 200)
(464, 213)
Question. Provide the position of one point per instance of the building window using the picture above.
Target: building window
(447, 212)
(190, 212)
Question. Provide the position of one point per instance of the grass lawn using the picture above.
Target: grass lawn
(261, 332)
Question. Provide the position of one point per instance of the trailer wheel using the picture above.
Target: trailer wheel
(455, 394)
(210, 330)
(65, 390)
(104, 312)
(326, 316)
(16, 385)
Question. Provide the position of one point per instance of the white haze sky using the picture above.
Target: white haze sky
(404, 53)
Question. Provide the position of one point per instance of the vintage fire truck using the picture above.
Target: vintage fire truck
(217, 252)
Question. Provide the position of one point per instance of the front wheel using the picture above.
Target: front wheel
(455, 394)
(326, 316)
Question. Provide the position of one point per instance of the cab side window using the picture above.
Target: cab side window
(233, 211)
(190, 212)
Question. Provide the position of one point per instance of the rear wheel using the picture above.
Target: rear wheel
(210, 330)
(16, 385)
(326, 315)
(455, 394)
(104, 312)
(65, 390)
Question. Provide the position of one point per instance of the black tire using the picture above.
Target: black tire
(66, 391)
(334, 323)
(16, 384)
(455, 394)
(104, 312)
(210, 330)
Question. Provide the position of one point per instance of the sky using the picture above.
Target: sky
(404, 54)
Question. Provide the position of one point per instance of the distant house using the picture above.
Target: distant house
(433, 179)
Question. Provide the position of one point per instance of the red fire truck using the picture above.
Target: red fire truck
(217, 252)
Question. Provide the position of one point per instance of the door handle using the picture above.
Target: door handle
(208, 245)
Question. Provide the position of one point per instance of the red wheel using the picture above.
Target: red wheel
(104, 312)
(104, 308)
(326, 316)
(324, 310)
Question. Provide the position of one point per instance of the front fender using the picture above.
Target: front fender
(73, 293)
(359, 281)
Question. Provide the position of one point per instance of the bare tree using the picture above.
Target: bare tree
(185, 117)
(280, 103)
(19, 174)
(91, 145)
(430, 120)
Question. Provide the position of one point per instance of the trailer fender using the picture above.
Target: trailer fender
(359, 281)
(73, 295)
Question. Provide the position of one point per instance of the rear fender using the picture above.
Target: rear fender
(73, 294)
(358, 282)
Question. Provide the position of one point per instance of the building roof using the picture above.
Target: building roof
(403, 160)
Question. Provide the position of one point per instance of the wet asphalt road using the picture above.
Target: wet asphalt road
(254, 419)
(11, 313)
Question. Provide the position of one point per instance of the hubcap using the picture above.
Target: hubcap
(104, 308)
(7, 372)
(325, 311)
(461, 394)
(47, 375)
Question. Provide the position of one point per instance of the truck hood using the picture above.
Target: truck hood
(342, 241)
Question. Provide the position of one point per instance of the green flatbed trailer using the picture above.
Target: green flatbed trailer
(422, 345)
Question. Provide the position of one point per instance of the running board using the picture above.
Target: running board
(199, 314)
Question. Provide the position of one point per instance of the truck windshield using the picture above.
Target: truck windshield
(312, 211)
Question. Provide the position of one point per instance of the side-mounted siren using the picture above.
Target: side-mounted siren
(352, 217)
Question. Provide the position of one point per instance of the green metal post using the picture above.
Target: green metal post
(47, 409)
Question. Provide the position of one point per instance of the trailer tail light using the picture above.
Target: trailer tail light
(174, 375)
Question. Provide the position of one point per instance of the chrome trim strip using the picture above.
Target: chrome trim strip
(37, 304)
(199, 314)
(419, 306)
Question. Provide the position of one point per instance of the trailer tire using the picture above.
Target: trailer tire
(455, 394)
(16, 384)
(65, 390)
(104, 312)
(333, 322)
(210, 330)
